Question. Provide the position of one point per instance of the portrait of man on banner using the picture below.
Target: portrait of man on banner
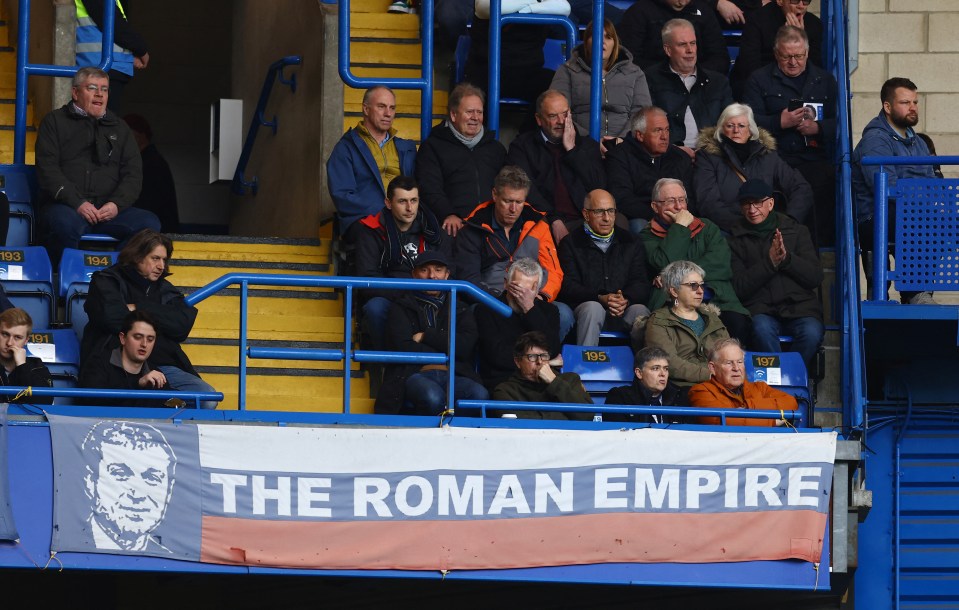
(129, 481)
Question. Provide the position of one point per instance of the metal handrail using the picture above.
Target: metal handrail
(274, 72)
(346, 355)
(881, 195)
(26, 70)
(496, 21)
(424, 84)
(852, 360)
(721, 413)
(195, 397)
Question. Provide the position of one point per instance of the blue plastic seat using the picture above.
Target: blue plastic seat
(60, 351)
(27, 278)
(785, 371)
(19, 183)
(600, 367)
(76, 269)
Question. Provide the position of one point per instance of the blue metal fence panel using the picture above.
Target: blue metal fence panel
(927, 234)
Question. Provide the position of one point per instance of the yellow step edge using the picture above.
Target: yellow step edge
(238, 248)
(369, 6)
(385, 53)
(252, 257)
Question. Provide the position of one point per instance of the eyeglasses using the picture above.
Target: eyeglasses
(603, 212)
(753, 204)
(694, 286)
(95, 88)
(736, 126)
(536, 357)
(795, 2)
(795, 57)
(673, 201)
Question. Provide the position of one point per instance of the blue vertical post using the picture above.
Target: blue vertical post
(880, 221)
(596, 80)
(426, 38)
(241, 385)
(495, 53)
(452, 353)
(347, 346)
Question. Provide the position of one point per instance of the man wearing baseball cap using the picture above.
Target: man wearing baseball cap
(776, 272)
(419, 322)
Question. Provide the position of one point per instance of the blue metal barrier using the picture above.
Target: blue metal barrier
(496, 22)
(424, 84)
(274, 72)
(25, 69)
(91, 393)
(346, 355)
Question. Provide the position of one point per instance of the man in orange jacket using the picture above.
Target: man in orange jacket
(727, 388)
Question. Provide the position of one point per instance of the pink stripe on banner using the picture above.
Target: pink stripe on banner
(516, 543)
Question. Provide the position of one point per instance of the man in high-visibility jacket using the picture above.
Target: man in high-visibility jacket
(129, 48)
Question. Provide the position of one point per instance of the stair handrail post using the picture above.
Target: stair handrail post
(25, 70)
(244, 328)
(424, 84)
(240, 184)
(497, 21)
(596, 78)
(347, 346)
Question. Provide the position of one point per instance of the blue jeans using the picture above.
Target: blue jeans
(375, 312)
(181, 381)
(566, 320)
(426, 391)
(807, 334)
(65, 227)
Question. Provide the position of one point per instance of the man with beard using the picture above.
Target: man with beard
(498, 335)
(889, 134)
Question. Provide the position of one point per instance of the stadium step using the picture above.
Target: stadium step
(388, 45)
(276, 317)
(8, 83)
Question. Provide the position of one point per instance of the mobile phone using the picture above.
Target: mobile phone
(794, 104)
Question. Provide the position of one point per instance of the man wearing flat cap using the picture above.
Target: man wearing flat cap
(419, 321)
(776, 272)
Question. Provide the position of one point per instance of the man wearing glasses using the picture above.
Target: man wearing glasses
(604, 272)
(759, 36)
(796, 102)
(88, 169)
(536, 381)
(562, 165)
(674, 234)
(727, 388)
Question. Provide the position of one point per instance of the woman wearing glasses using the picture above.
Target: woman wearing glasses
(685, 329)
(737, 150)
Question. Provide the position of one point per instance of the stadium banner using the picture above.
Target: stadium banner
(438, 498)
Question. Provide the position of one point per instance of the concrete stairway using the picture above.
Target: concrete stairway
(8, 95)
(277, 317)
(387, 44)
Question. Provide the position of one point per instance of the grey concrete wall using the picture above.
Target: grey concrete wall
(916, 39)
(289, 166)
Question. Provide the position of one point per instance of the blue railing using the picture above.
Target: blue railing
(26, 70)
(497, 20)
(847, 270)
(90, 394)
(881, 194)
(424, 84)
(346, 355)
(272, 74)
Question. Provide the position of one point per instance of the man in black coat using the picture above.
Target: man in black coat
(640, 31)
(16, 367)
(457, 163)
(562, 165)
(692, 95)
(795, 101)
(633, 167)
(651, 387)
(759, 38)
(604, 272)
(420, 322)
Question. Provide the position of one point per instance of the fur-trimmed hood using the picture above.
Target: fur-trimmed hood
(707, 142)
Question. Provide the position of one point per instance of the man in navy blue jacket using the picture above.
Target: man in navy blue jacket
(889, 134)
